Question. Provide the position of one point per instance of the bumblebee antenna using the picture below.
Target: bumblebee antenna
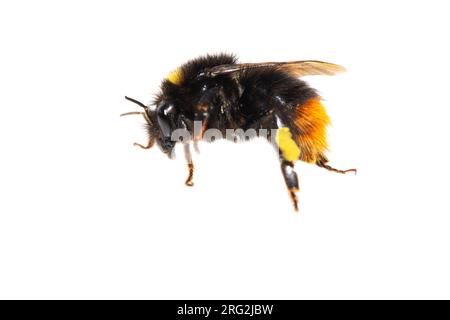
(132, 112)
(149, 121)
(137, 102)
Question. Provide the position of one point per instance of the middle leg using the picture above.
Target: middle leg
(187, 154)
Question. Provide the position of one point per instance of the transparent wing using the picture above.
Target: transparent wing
(295, 68)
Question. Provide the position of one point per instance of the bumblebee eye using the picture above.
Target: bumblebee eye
(168, 109)
(166, 118)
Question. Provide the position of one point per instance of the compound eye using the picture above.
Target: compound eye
(166, 109)
(166, 118)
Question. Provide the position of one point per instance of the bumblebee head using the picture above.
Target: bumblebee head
(160, 122)
(166, 119)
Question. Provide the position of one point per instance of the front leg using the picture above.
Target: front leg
(187, 154)
(147, 146)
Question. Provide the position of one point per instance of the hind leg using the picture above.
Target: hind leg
(323, 163)
(291, 179)
(288, 152)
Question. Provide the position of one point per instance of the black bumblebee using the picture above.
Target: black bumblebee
(215, 93)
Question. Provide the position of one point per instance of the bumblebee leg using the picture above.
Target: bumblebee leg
(195, 143)
(187, 154)
(323, 164)
(148, 146)
(291, 179)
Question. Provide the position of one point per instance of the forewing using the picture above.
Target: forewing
(295, 68)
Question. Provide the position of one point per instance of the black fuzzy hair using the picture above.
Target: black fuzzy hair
(191, 69)
(189, 74)
(274, 83)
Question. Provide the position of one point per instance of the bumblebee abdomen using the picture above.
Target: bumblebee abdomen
(302, 130)
(311, 121)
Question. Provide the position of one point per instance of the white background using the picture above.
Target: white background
(84, 214)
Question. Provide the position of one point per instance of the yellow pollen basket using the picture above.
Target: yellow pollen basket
(287, 145)
(175, 76)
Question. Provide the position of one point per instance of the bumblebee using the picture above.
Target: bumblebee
(215, 93)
